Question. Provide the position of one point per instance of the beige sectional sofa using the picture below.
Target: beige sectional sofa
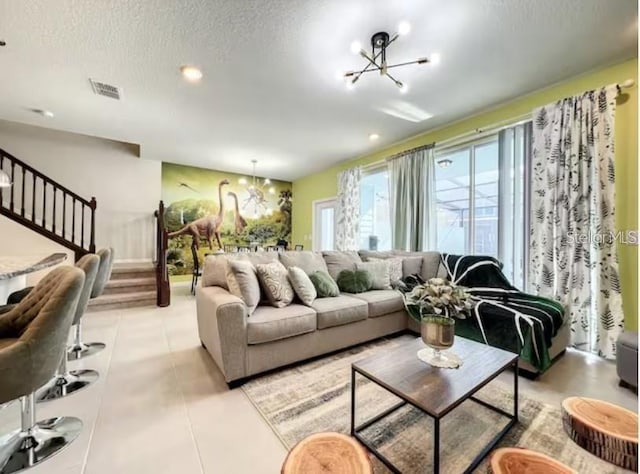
(243, 345)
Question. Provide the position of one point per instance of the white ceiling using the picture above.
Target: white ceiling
(270, 90)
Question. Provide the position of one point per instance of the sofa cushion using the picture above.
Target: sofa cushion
(243, 283)
(379, 254)
(430, 265)
(302, 285)
(275, 283)
(382, 302)
(411, 266)
(270, 324)
(214, 272)
(380, 271)
(310, 262)
(339, 310)
(260, 257)
(337, 261)
(324, 284)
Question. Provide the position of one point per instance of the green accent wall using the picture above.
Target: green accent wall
(324, 184)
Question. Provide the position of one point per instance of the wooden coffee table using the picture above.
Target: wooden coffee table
(432, 390)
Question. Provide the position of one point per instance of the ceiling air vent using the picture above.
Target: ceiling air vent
(107, 90)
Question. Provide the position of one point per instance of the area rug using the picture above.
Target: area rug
(315, 396)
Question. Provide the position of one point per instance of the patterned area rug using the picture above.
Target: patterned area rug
(315, 397)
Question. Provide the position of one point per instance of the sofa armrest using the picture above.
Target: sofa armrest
(222, 326)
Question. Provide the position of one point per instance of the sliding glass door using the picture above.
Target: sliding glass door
(480, 200)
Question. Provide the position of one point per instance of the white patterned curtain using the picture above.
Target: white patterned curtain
(573, 255)
(348, 210)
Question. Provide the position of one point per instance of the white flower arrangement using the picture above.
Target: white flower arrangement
(437, 297)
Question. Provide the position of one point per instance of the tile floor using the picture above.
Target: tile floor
(161, 405)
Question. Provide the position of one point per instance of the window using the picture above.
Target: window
(375, 221)
(480, 200)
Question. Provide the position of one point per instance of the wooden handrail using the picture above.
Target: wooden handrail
(49, 223)
(163, 287)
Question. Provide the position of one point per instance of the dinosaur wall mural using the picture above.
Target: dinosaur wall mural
(209, 209)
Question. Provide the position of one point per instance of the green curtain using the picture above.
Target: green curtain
(411, 193)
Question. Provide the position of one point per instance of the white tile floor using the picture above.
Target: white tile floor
(161, 405)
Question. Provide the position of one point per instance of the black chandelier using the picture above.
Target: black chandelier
(377, 59)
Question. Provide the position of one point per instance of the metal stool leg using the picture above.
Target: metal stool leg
(80, 350)
(35, 442)
(66, 382)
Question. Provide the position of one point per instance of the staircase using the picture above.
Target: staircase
(47, 207)
(131, 285)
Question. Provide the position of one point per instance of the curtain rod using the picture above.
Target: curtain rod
(428, 146)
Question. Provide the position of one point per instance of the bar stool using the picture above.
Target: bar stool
(79, 349)
(33, 335)
(66, 382)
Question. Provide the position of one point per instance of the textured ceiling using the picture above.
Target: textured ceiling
(270, 90)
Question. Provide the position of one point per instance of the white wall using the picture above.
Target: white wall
(127, 188)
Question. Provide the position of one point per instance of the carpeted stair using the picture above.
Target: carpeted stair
(131, 285)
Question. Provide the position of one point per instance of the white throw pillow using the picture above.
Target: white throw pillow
(302, 285)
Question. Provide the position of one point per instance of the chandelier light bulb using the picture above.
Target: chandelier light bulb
(434, 59)
(267, 181)
(272, 190)
(242, 181)
(356, 47)
(404, 28)
(404, 88)
(191, 73)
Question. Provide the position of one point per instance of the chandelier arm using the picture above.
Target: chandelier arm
(417, 61)
(395, 81)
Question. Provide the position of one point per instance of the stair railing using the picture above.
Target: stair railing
(163, 287)
(46, 207)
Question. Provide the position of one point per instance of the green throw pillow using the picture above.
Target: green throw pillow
(357, 281)
(324, 284)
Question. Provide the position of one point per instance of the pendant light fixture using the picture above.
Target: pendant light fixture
(257, 190)
(377, 59)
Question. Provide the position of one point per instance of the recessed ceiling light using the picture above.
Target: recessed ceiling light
(374, 137)
(191, 73)
(43, 112)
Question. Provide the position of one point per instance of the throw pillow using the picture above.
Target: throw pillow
(302, 285)
(275, 283)
(243, 283)
(380, 273)
(395, 268)
(214, 272)
(324, 284)
(357, 281)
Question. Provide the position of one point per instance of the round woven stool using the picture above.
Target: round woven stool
(604, 429)
(327, 453)
(519, 460)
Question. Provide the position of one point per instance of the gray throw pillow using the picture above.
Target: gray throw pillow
(243, 283)
(214, 272)
(302, 285)
(275, 283)
(379, 272)
(395, 268)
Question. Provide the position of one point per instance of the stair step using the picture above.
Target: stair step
(129, 271)
(122, 300)
(130, 285)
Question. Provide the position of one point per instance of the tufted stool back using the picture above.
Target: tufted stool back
(89, 264)
(104, 271)
(33, 334)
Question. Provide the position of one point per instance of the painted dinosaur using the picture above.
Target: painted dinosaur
(207, 226)
(239, 221)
